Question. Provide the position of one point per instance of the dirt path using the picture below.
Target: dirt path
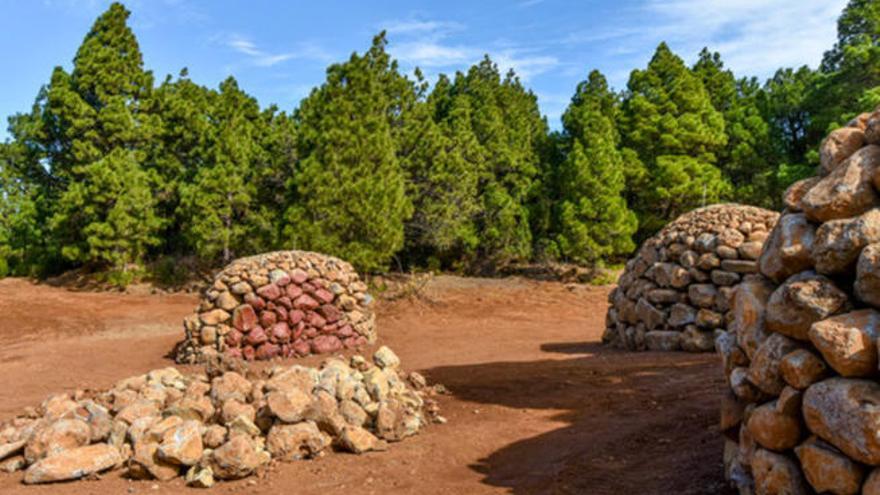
(536, 404)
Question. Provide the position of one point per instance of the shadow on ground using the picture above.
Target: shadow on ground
(632, 421)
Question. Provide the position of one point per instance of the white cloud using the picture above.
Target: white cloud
(401, 27)
(753, 36)
(425, 44)
(262, 58)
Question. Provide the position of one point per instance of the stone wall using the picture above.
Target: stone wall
(280, 304)
(219, 425)
(676, 292)
(801, 412)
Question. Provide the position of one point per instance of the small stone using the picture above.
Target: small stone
(182, 445)
(73, 464)
(294, 442)
(773, 430)
(801, 368)
(237, 458)
(764, 369)
(200, 477)
(357, 440)
(290, 406)
(385, 358)
(662, 340)
(214, 317)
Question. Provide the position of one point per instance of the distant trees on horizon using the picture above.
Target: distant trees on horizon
(113, 172)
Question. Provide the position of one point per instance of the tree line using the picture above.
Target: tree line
(112, 171)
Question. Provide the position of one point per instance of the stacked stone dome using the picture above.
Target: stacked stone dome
(280, 304)
(676, 292)
(801, 410)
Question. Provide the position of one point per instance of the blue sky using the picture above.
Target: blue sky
(279, 50)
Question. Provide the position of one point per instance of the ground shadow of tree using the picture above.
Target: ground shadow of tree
(637, 423)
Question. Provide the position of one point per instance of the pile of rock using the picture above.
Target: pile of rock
(676, 292)
(280, 304)
(802, 411)
(164, 424)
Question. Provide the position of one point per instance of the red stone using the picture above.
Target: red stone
(256, 336)
(298, 331)
(269, 292)
(295, 316)
(324, 295)
(316, 320)
(233, 338)
(286, 350)
(244, 317)
(247, 353)
(317, 283)
(281, 332)
(267, 351)
(294, 291)
(308, 287)
(254, 300)
(234, 352)
(361, 340)
(350, 343)
(311, 332)
(268, 318)
(299, 276)
(330, 312)
(324, 344)
(345, 331)
(282, 280)
(301, 347)
(282, 313)
(305, 302)
(285, 301)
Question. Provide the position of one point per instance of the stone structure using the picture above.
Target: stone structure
(280, 304)
(676, 292)
(801, 412)
(220, 425)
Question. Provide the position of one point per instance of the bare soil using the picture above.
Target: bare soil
(536, 404)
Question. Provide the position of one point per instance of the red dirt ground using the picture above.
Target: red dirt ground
(536, 404)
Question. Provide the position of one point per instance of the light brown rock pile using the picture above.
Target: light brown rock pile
(222, 426)
(802, 411)
(676, 292)
(280, 304)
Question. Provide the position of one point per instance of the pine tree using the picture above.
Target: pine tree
(746, 160)
(349, 189)
(115, 207)
(512, 137)
(592, 221)
(442, 171)
(221, 209)
(674, 132)
(85, 125)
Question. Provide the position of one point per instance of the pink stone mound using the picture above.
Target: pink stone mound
(280, 304)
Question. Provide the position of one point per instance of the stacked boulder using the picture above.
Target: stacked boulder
(280, 304)
(802, 409)
(164, 424)
(676, 292)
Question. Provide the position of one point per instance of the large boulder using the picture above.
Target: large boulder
(789, 248)
(847, 191)
(848, 341)
(845, 412)
(802, 300)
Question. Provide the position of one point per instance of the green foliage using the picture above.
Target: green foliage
(669, 122)
(591, 220)
(107, 171)
(108, 214)
(746, 161)
(349, 189)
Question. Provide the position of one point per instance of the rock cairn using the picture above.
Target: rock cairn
(802, 410)
(219, 426)
(676, 292)
(280, 304)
